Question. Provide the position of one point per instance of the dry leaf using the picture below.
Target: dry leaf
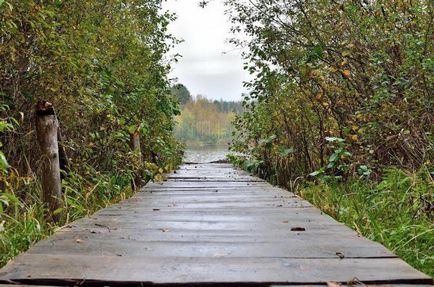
(346, 73)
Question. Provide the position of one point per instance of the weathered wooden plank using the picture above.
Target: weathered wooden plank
(135, 246)
(209, 224)
(165, 270)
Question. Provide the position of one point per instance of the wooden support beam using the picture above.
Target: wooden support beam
(47, 134)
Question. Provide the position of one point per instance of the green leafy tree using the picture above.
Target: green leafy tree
(181, 93)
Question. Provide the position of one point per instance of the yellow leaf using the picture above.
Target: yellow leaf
(355, 137)
(333, 69)
(346, 73)
(158, 178)
(346, 53)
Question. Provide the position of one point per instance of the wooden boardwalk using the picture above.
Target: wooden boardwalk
(209, 224)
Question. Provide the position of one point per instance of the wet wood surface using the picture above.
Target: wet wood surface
(209, 224)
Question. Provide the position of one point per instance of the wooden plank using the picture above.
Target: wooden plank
(209, 224)
(169, 270)
(139, 246)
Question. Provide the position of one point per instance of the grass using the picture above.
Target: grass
(396, 212)
(22, 214)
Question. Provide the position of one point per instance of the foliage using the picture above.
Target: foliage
(205, 122)
(181, 93)
(361, 71)
(5, 125)
(228, 106)
(103, 65)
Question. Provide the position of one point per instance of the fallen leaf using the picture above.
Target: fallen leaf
(346, 73)
(156, 209)
(286, 221)
(79, 241)
(164, 229)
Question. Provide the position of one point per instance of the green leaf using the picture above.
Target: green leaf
(316, 173)
(58, 211)
(284, 152)
(132, 129)
(4, 125)
(334, 157)
(3, 162)
(334, 139)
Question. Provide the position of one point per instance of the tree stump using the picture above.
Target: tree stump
(47, 133)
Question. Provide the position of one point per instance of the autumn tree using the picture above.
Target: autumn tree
(338, 85)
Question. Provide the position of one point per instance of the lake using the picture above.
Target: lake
(205, 154)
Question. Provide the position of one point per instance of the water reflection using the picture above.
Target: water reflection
(205, 154)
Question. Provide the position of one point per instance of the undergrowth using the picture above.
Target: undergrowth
(397, 212)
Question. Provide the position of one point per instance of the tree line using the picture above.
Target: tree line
(204, 122)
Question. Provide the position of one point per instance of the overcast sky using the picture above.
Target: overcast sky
(210, 66)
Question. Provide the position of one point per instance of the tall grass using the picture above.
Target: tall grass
(397, 212)
(22, 214)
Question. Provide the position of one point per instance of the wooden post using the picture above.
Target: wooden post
(47, 134)
(135, 144)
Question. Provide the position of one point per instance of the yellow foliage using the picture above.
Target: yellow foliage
(346, 73)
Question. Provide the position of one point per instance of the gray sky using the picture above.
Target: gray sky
(204, 69)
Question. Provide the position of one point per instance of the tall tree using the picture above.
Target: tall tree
(181, 93)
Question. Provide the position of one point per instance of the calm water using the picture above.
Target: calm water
(205, 154)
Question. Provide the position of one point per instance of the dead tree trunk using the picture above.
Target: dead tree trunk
(47, 134)
(135, 144)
